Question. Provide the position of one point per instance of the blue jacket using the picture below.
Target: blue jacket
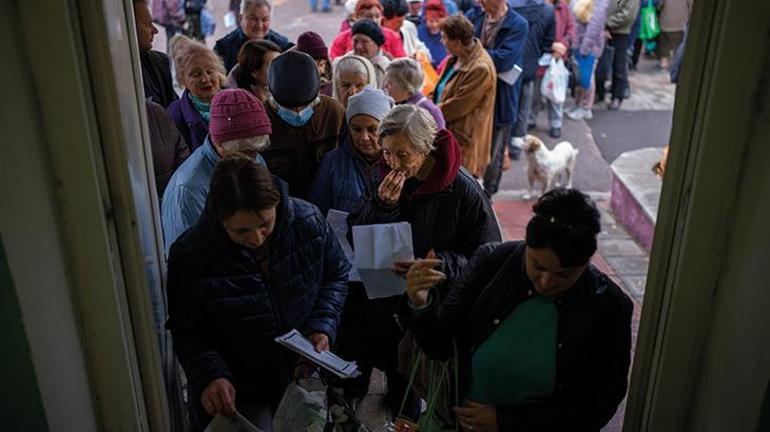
(193, 127)
(228, 47)
(186, 192)
(224, 311)
(542, 26)
(341, 180)
(434, 44)
(507, 52)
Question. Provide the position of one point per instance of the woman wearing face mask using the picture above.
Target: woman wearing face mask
(201, 73)
(420, 180)
(351, 74)
(250, 73)
(257, 265)
(543, 337)
(305, 123)
(345, 171)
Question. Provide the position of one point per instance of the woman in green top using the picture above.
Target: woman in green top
(543, 337)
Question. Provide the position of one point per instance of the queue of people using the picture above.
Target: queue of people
(270, 135)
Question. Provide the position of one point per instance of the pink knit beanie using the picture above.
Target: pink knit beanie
(235, 114)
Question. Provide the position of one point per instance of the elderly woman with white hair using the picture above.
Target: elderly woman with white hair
(420, 180)
(403, 82)
(351, 74)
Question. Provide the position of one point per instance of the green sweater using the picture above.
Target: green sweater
(517, 363)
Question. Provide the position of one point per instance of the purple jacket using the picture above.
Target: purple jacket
(188, 120)
(421, 101)
(589, 38)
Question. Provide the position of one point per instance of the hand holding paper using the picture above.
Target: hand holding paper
(377, 249)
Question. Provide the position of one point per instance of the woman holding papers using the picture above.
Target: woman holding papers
(419, 180)
(257, 265)
(543, 337)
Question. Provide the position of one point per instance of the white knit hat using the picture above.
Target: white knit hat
(370, 101)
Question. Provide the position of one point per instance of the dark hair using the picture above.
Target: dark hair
(457, 27)
(391, 8)
(239, 183)
(567, 222)
(251, 57)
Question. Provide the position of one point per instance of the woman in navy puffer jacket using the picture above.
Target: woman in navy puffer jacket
(257, 265)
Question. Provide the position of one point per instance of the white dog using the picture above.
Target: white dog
(544, 165)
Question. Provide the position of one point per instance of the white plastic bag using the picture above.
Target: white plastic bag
(302, 408)
(236, 423)
(555, 82)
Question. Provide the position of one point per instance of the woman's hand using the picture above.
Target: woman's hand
(219, 398)
(320, 342)
(422, 277)
(401, 268)
(558, 50)
(390, 188)
(476, 417)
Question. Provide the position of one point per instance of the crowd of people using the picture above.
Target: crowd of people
(410, 114)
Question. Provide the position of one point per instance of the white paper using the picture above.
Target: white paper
(326, 359)
(377, 248)
(338, 220)
(510, 76)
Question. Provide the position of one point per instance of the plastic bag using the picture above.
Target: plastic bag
(649, 27)
(555, 82)
(302, 408)
(431, 76)
(236, 423)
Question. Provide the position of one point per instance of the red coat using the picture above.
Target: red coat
(343, 43)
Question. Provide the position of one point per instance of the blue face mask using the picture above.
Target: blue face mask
(296, 119)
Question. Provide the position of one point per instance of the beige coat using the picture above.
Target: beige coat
(468, 105)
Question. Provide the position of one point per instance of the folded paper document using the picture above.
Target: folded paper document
(377, 247)
(326, 359)
(338, 220)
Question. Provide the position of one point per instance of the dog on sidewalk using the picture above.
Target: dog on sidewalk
(545, 165)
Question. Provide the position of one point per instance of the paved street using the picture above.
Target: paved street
(643, 121)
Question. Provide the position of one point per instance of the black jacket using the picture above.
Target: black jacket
(593, 338)
(224, 313)
(229, 46)
(542, 26)
(448, 212)
(156, 77)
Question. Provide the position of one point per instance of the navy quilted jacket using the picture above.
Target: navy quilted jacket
(224, 314)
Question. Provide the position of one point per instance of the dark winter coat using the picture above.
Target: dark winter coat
(449, 211)
(193, 127)
(228, 47)
(341, 179)
(593, 338)
(542, 26)
(508, 51)
(169, 149)
(296, 152)
(224, 313)
(156, 77)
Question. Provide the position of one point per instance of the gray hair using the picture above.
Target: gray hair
(414, 123)
(257, 3)
(405, 73)
(257, 143)
(352, 63)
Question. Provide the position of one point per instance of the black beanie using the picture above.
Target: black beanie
(369, 28)
(293, 79)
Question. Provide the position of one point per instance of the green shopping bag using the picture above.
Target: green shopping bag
(439, 381)
(649, 27)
